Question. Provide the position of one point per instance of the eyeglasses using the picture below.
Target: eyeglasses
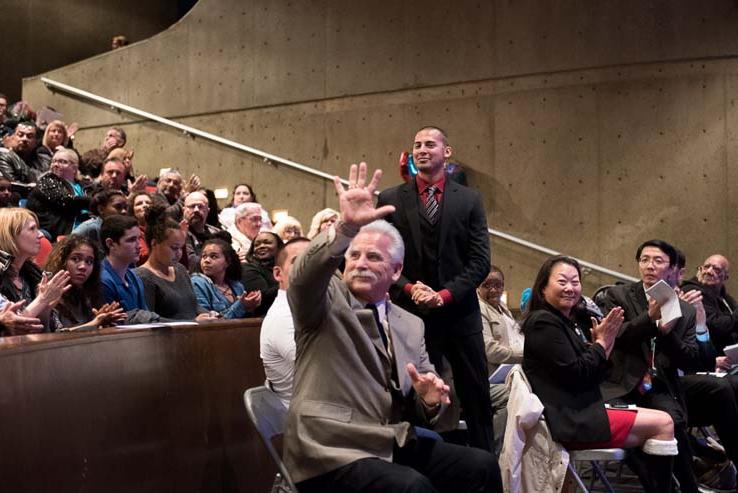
(63, 161)
(656, 261)
(717, 270)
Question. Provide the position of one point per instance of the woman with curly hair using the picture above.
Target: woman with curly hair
(82, 307)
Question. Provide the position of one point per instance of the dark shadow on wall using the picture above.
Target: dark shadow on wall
(42, 35)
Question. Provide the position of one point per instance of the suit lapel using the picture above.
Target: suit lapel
(403, 353)
(448, 205)
(409, 198)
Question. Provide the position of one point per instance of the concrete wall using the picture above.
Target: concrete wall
(38, 35)
(589, 126)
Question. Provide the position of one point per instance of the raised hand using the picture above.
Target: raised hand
(50, 291)
(357, 202)
(139, 184)
(694, 298)
(17, 324)
(429, 386)
(193, 184)
(605, 332)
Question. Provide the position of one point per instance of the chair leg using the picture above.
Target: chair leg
(603, 478)
(577, 478)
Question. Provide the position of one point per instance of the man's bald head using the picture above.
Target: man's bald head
(714, 271)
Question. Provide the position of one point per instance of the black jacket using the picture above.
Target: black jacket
(56, 205)
(630, 356)
(722, 314)
(565, 372)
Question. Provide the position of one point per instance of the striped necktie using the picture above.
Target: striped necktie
(431, 204)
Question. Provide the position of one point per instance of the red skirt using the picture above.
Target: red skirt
(621, 422)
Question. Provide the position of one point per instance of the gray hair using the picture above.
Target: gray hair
(396, 247)
(245, 208)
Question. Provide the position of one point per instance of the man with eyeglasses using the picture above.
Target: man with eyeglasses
(195, 212)
(720, 307)
(648, 353)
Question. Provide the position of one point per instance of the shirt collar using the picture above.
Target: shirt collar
(422, 184)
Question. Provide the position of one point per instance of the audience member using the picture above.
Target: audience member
(720, 307)
(91, 161)
(257, 273)
(20, 162)
(166, 282)
(3, 108)
(247, 226)
(55, 136)
(82, 307)
(6, 193)
(59, 200)
(112, 176)
(119, 41)
(566, 358)
(648, 353)
(321, 221)
(217, 282)
(444, 227)
(22, 280)
(338, 438)
(138, 204)
(198, 230)
(288, 229)
(119, 236)
(277, 336)
(103, 204)
(242, 194)
(503, 343)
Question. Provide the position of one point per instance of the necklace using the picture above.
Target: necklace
(226, 291)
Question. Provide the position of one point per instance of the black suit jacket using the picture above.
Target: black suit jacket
(463, 256)
(565, 373)
(630, 357)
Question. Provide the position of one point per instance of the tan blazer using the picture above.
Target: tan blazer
(342, 408)
(503, 339)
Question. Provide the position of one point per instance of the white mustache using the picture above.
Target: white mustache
(360, 273)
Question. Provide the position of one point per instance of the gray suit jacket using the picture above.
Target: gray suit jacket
(342, 405)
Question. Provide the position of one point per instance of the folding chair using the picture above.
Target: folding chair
(268, 414)
(594, 457)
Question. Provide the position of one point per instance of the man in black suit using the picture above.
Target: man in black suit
(444, 228)
(648, 353)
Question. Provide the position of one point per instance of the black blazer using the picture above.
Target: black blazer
(565, 373)
(463, 256)
(630, 356)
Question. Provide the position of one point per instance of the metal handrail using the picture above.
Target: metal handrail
(271, 158)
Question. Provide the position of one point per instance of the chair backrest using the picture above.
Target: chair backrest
(268, 414)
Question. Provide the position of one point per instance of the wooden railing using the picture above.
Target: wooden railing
(132, 410)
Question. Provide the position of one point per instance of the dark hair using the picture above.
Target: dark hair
(438, 129)
(58, 259)
(3, 96)
(665, 247)
(281, 252)
(103, 198)
(250, 254)
(158, 223)
(251, 189)
(233, 270)
(132, 199)
(537, 301)
(681, 259)
(121, 132)
(114, 227)
(214, 210)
